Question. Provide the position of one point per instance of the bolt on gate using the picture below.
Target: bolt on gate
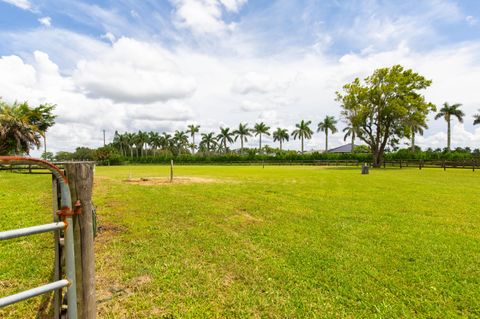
(79, 300)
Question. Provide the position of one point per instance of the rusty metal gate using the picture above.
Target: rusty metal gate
(62, 227)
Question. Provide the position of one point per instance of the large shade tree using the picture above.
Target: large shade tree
(302, 132)
(261, 129)
(447, 112)
(280, 135)
(382, 104)
(328, 124)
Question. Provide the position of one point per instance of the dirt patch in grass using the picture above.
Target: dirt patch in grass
(152, 181)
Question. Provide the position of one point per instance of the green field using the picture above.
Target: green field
(278, 242)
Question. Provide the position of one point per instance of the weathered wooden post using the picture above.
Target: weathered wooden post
(80, 180)
(171, 171)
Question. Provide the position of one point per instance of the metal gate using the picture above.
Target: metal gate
(65, 245)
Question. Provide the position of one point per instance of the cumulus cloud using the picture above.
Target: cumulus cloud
(134, 85)
(471, 20)
(204, 17)
(133, 72)
(169, 111)
(252, 82)
(22, 4)
(109, 36)
(46, 21)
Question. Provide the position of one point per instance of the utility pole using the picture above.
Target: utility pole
(103, 138)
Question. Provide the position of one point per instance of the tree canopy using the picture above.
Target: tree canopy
(21, 126)
(380, 107)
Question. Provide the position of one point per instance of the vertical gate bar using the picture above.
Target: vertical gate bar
(57, 300)
(66, 201)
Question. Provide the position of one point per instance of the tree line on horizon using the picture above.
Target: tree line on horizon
(381, 110)
(141, 144)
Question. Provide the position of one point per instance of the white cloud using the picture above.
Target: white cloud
(233, 5)
(133, 72)
(204, 17)
(471, 20)
(170, 111)
(134, 85)
(109, 36)
(252, 82)
(46, 21)
(22, 4)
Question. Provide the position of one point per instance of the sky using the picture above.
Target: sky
(129, 65)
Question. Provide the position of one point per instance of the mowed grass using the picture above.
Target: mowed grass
(278, 242)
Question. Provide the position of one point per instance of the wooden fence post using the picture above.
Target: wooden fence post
(80, 180)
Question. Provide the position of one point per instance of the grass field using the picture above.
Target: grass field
(279, 242)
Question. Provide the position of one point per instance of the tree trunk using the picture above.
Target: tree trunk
(241, 144)
(280, 144)
(302, 144)
(413, 141)
(353, 143)
(45, 145)
(448, 134)
(193, 146)
(260, 144)
(326, 141)
(377, 158)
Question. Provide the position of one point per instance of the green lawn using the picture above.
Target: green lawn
(278, 242)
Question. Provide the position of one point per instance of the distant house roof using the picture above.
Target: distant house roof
(347, 148)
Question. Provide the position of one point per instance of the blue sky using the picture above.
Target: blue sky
(129, 65)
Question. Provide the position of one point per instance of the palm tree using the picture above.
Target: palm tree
(350, 117)
(280, 135)
(154, 141)
(192, 129)
(476, 118)
(130, 141)
(165, 141)
(259, 129)
(416, 126)
(302, 132)
(181, 140)
(17, 133)
(225, 136)
(242, 132)
(447, 111)
(208, 142)
(328, 123)
(141, 141)
(43, 118)
(350, 131)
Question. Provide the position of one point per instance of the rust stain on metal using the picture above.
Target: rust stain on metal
(30, 160)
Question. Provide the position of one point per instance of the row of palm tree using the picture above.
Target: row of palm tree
(143, 143)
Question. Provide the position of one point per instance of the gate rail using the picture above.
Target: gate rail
(66, 224)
